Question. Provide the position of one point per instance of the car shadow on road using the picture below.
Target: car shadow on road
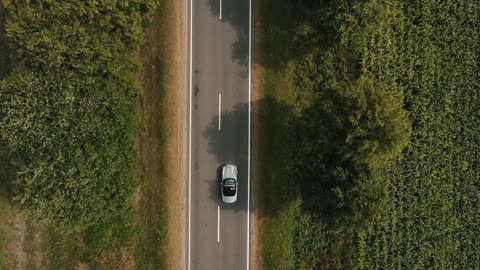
(214, 185)
(215, 193)
(230, 145)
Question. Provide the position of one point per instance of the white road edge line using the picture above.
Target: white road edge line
(219, 111)
(190, 142)
(249, 123)
(218, 224)
(220, 9)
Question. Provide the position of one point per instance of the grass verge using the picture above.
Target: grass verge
(160, 198)
(152, 210)
(274, 30)
(3, 208)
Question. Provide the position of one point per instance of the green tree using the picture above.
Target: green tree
(353, 132)
(372, 123)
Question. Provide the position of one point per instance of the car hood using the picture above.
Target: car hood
(229, 171)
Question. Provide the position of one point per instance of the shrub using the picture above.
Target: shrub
(74, 141)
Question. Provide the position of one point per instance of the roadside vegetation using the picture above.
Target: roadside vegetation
(373, 108)
(68, 110)
(72, 120)
(4, 159)
(4, 174)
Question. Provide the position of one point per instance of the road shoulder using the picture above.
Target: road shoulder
(177, 148)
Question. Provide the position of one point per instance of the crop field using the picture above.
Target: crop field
(429, 50)
(426, 53)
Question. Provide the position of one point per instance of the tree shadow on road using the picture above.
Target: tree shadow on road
(236, 13)
(274, 161)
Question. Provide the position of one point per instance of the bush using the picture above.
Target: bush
(74, 142)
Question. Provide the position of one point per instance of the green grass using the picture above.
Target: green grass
(2, 233)
(288, 234)
(279, 203)
(5, 176)
(97, 246)
(61, 250)
(152, 213)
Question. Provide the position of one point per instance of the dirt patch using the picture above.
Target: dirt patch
(33, 246)
(15, 229)
(177, 114)
(23, 241)
(82, 266)
(126, 258)
(13, 224)
(37, 254)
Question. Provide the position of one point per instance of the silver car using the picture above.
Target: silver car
(229, 184)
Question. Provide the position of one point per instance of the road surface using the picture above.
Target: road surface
(219, 132)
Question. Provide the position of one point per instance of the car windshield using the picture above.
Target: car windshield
(229, 187)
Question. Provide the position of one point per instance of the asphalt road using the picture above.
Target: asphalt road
(218, 234)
